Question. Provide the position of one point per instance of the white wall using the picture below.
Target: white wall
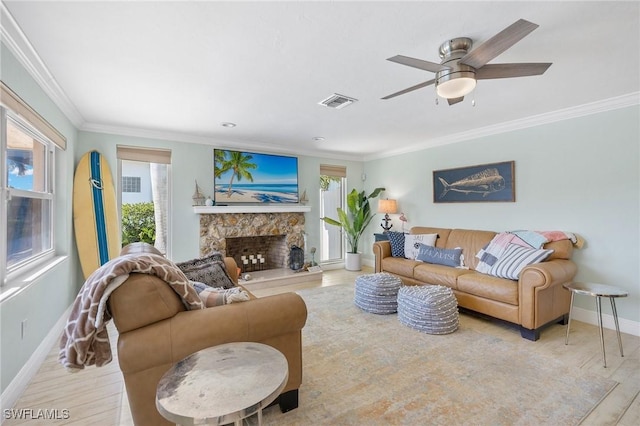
(580, 175)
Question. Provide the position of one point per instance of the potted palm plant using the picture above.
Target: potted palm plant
(353, 222)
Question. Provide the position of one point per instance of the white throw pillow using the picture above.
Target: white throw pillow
(412, 243)
(514, 259)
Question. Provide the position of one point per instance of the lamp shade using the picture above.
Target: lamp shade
(456, 87)
(387, 206)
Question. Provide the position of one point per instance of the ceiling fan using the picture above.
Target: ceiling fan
(456, 75)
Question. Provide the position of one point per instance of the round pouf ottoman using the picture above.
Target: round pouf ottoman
(377, 293)
(431, 309)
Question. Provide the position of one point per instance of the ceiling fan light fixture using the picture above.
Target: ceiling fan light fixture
(456, 86)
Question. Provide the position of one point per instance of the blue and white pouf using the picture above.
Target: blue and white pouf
(431, 309)
(377, 293)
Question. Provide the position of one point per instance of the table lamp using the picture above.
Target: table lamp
(387, 206)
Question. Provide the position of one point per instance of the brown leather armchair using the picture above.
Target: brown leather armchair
(155, 332)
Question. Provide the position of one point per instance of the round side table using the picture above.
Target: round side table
(222, 384)
(598, 291)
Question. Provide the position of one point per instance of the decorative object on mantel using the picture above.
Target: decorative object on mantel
(208, 202)
(354, 223)
(485, 182)
(403, 219)
(387, 206)
(198, 197)
(303, 198)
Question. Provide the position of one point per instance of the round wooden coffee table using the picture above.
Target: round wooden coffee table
(222, 384)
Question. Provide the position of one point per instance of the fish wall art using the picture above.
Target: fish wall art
(485, 182)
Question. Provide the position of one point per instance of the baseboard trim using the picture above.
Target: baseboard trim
(591, 317)
(19, 384)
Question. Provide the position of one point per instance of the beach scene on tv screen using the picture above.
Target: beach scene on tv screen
(247, 177)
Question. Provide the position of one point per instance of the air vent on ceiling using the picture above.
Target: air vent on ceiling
(337, 101)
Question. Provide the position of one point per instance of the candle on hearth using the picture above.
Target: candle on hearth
(259, 256)
(251, 256)
(262, 260)
(254, 261)
(243, 258)
(245, 261)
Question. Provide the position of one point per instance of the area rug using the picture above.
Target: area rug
(365, 369)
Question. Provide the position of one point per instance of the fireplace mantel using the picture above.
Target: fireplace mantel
(270, 208)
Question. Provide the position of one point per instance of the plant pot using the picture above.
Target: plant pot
(353, 261)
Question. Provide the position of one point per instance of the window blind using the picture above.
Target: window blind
(149, 155)
(15, 103)
(331, 170)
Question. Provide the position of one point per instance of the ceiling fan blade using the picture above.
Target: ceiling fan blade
(498, 43)
(410, 89)
(490, 71)
(418, 63)
(453, 101)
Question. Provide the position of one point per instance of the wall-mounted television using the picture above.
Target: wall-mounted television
(249, 177)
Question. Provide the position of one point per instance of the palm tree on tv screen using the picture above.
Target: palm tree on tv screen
(219, 157)
(240, 164)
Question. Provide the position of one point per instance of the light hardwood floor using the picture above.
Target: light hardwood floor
(96, 396)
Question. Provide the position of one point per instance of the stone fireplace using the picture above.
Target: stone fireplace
(234, 234)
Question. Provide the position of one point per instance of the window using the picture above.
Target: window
(27, 147)
(130, 184)
(144, 196)
(332, 184)
(28, 188)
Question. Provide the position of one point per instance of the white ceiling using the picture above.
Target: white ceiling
(178, 70)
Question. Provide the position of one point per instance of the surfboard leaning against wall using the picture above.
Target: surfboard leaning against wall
(95, 214)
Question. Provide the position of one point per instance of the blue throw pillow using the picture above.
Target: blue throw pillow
(396, 239)
(447, 257)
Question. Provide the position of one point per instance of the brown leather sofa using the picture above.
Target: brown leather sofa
(155, 332)
(534, 301)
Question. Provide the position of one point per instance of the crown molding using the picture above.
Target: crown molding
(604, 105)
(17, 42)
(209, 140)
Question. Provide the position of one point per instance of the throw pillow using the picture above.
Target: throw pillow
(515, 258)
(209, 270)
(212, 296)
(396, 239)
(412, 243)
(438, 256)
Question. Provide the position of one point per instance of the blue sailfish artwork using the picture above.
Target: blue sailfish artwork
(483, 183)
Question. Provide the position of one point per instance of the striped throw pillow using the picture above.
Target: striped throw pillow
(514, 259)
